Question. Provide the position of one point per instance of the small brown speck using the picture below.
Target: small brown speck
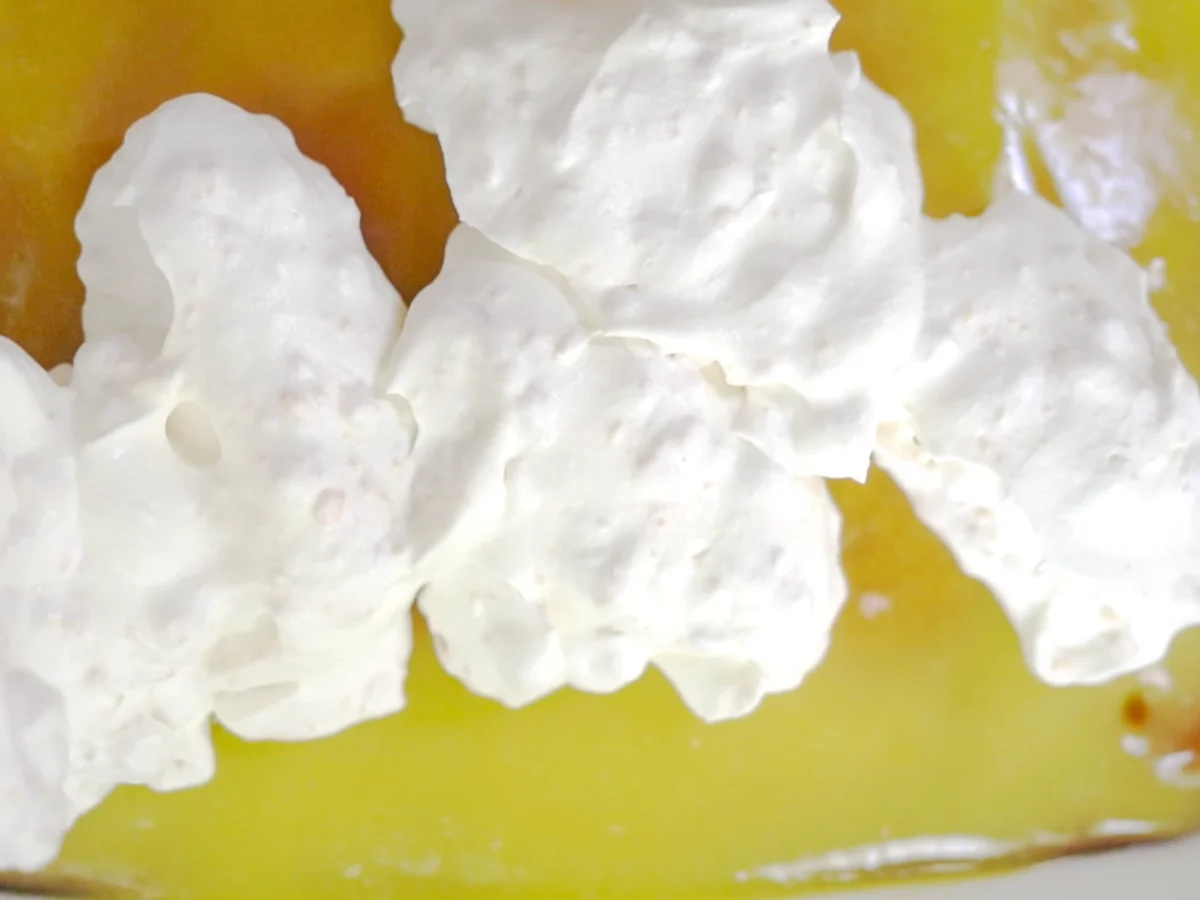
(1136, 711)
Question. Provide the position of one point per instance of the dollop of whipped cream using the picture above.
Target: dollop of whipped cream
(709, 178)
(238, 466)
(199, 516)
(40, 550)
(618, 518)
(1050, 435)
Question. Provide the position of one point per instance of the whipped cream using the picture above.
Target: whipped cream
(40, 549)
(619, 520)
(1051, 437)
(199, 516)
(235, 328)
(708, 176)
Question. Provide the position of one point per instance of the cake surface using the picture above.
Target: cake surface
(923, 724)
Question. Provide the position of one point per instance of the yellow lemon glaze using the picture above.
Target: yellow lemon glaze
(923, 721)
